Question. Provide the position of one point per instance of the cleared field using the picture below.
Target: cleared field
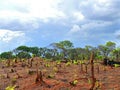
(57, 75)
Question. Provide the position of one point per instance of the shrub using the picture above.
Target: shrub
(74, 83)
(47, 65)
(10, 88)
(68, 64)
(75, 62)
(116, 65)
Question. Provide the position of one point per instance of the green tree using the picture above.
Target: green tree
(72, 54)
(111, 46)
(88, 50)
(106, 49)
(116, 53)
(23, 48)
(34, 50)
(23, 52)
(7, 55)
(23, 55)
(62, 47)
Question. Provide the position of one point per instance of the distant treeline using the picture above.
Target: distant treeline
(65, 50)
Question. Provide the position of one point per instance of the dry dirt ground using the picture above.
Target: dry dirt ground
(58, 76)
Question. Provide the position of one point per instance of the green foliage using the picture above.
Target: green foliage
(33, 55)
(107, 48)
(23, 48)
(65, 50)
(75, 62)
(110, 45)
(117, 65)
(99, 57)
(68, 64)
(116, 54)
(47, 65)
(10, 88)
(6, 55)
(74, 83)
(65, 44)
(81, 62)
(34, 50)
(23, 55)
(58, 62)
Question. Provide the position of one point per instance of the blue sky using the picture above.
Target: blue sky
(42, 22)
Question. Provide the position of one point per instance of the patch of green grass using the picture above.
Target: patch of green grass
(47, 65)
(10, 88)
(117, 65)
(74, 83)
(75, 62)
(68, 64)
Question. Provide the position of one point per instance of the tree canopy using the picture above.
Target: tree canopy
(65, 50)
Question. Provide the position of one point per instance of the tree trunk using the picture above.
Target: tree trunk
(92, 71)
(39, 78)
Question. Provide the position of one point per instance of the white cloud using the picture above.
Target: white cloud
(45, 9)
(35, 9)
(78, 16)
(7, 35)
(103, 6)
(75, 29)
(103, 2)
(88, 30)
(85, 19)
(87, 27)
(27, 11)
(76, 32)
(10, 39)
(100, 9)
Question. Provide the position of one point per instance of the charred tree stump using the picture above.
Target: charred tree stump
(39, 78)
(86, 70)
(92, 71)
(8, 75)
(31, 62)
(28, 61)
(15, 60)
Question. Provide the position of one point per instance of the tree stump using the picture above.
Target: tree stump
(31, 62)
(92, 71)
(39, 78)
